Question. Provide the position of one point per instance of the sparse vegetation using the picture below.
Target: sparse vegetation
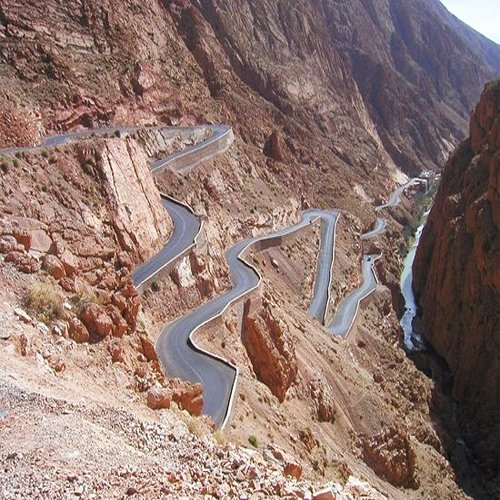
(253, 441)
(80, 300)
(155, 286)
(193, 426)
(43, 300)
(220, 437)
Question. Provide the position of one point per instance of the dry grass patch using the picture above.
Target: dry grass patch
(43, 300)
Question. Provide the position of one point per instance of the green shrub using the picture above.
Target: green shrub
(253, 441)
(117, 133)
(44, 301)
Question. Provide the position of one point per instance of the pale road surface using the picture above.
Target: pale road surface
(379, 228)
(182, 359)
(348, 308)
(324, 268)
(186, 227)
(179, 355)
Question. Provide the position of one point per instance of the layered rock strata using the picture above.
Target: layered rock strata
(457, 276)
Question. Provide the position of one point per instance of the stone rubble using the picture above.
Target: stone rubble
(127, 456)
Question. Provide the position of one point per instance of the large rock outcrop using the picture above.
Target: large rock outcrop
(391, 455)
(266, 339)
(141, 222)
(457, 276)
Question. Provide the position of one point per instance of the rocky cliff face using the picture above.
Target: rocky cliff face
(268, 344)
(457, 276)
(362, 85)
(141, 222)
(419, 71)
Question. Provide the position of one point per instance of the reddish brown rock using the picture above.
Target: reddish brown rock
(77, 331)
(40, 240)
(293, 469)
(131, 312)
(120, 326)
(23, 237)
(70, 262)
(275, 147)
(9, 244)
(56, 362)
(68, 284)
(188, 396)
(148, 347)
(321, 394)
(159, 398)
(266, 339)
(124, 260)
(457, 277)
(53, 266)
(96, 320)
(119, 301)
(117, 351)
(324, 495)
(23, 262)
(391, 455)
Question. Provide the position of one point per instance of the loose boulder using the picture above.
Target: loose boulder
(159, 398)
(53, 266)
(77, 331)
(96, 320)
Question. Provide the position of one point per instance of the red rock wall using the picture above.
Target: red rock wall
(457, 276)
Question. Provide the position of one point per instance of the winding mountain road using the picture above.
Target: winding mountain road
(186, 227)
(176, 347)
(324, 268)
(346, 312)
(218, 376)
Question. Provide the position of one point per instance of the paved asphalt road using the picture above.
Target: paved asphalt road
(378, 229)
(217, 132)
(348, 308)
(177, 353)
(186, 227)
(321, 294)
(396, 196)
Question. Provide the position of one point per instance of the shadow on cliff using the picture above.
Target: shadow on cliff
(444, 414)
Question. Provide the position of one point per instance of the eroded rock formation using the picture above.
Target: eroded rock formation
(457, 276)
(391, 455)
(266, 339)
